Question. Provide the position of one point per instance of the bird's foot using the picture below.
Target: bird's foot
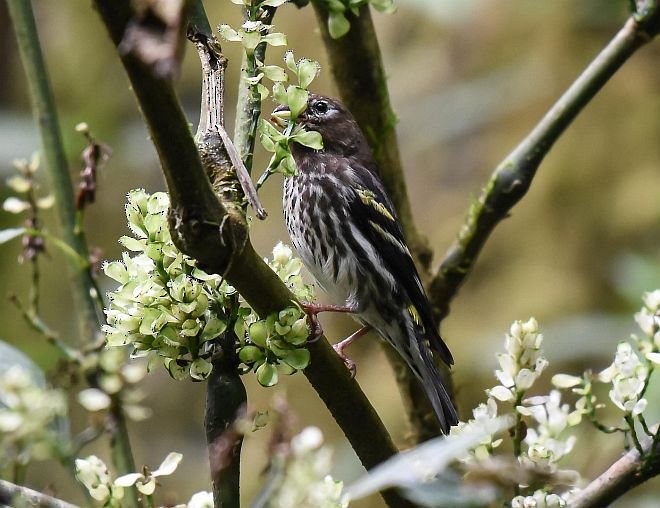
(339, 348)
(314, 309)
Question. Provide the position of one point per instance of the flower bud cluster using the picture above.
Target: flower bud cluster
(114, 376)
(29, 416)
(164, 303)
(522, 363)
(628, 376)
(306, 480)
(540, 499)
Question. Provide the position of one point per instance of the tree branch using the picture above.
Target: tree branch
(357, 68)
(215, 233)
(10, 493)
(625, 474)
(514, 175)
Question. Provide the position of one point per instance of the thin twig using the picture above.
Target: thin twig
(513, 177)
(43, 106)
(626, 473)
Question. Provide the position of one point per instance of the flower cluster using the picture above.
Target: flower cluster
(93, 474)
(276, 344)
(628, 377)
(164, 303)
(522, 363)
(483, 414)
(29, 416)
(167, 306)
(540, 499)
(648, 319)
(305, 480)
(114, 376)
(544, 445)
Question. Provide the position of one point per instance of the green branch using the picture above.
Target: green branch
(43, 107)
(513, 177)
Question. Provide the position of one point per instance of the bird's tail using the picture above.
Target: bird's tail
(434, 385)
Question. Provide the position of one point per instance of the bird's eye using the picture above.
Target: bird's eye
(321, 107)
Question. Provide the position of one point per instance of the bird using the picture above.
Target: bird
(346, 231)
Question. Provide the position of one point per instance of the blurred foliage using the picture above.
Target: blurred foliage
(468, 80)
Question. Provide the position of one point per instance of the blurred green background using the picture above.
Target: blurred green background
(468, 79)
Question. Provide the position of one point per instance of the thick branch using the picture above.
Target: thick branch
(218, 238)
(11, 494)
(43, 107)
(625, 474)
(357, 67)
(513, 176)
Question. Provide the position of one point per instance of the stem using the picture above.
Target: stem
(43, 106)
(248, 104)
(122, 456)
(11, 493)
(513, 177)
(226, 400)
(633, 433)
(622, 476)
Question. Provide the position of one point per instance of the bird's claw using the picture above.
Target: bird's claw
(350, 364)
(317, 329)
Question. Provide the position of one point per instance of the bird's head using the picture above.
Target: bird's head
(339, 130)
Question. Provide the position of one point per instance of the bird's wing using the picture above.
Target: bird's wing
(375, 216)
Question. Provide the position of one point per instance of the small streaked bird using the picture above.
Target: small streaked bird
(345, 229)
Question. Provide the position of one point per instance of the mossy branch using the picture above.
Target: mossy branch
(17, 495)
(357, 67)
(513, 177)
(214, 231)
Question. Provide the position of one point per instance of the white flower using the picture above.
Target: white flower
(93, 474)
(93, 399)
(146, 484)
(628, 376)
(544, 443)
(202, 499)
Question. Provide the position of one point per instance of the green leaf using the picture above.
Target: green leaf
(200, 369)
(267, 375)
(176, 371)
(258, 333)
(290, 61)
(267, 143)
(6, 235)
(263, 91)
(274, 72)
(213, 328)
(307, 71)
(311, 139)
(338, 25)
(275, 39)
(279, 93)
(298, 358)
(229, 34)
(386, 6)
(250, 41)
(297, 100)
(251, 354)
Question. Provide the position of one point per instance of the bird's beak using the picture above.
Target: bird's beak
(281, 116)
